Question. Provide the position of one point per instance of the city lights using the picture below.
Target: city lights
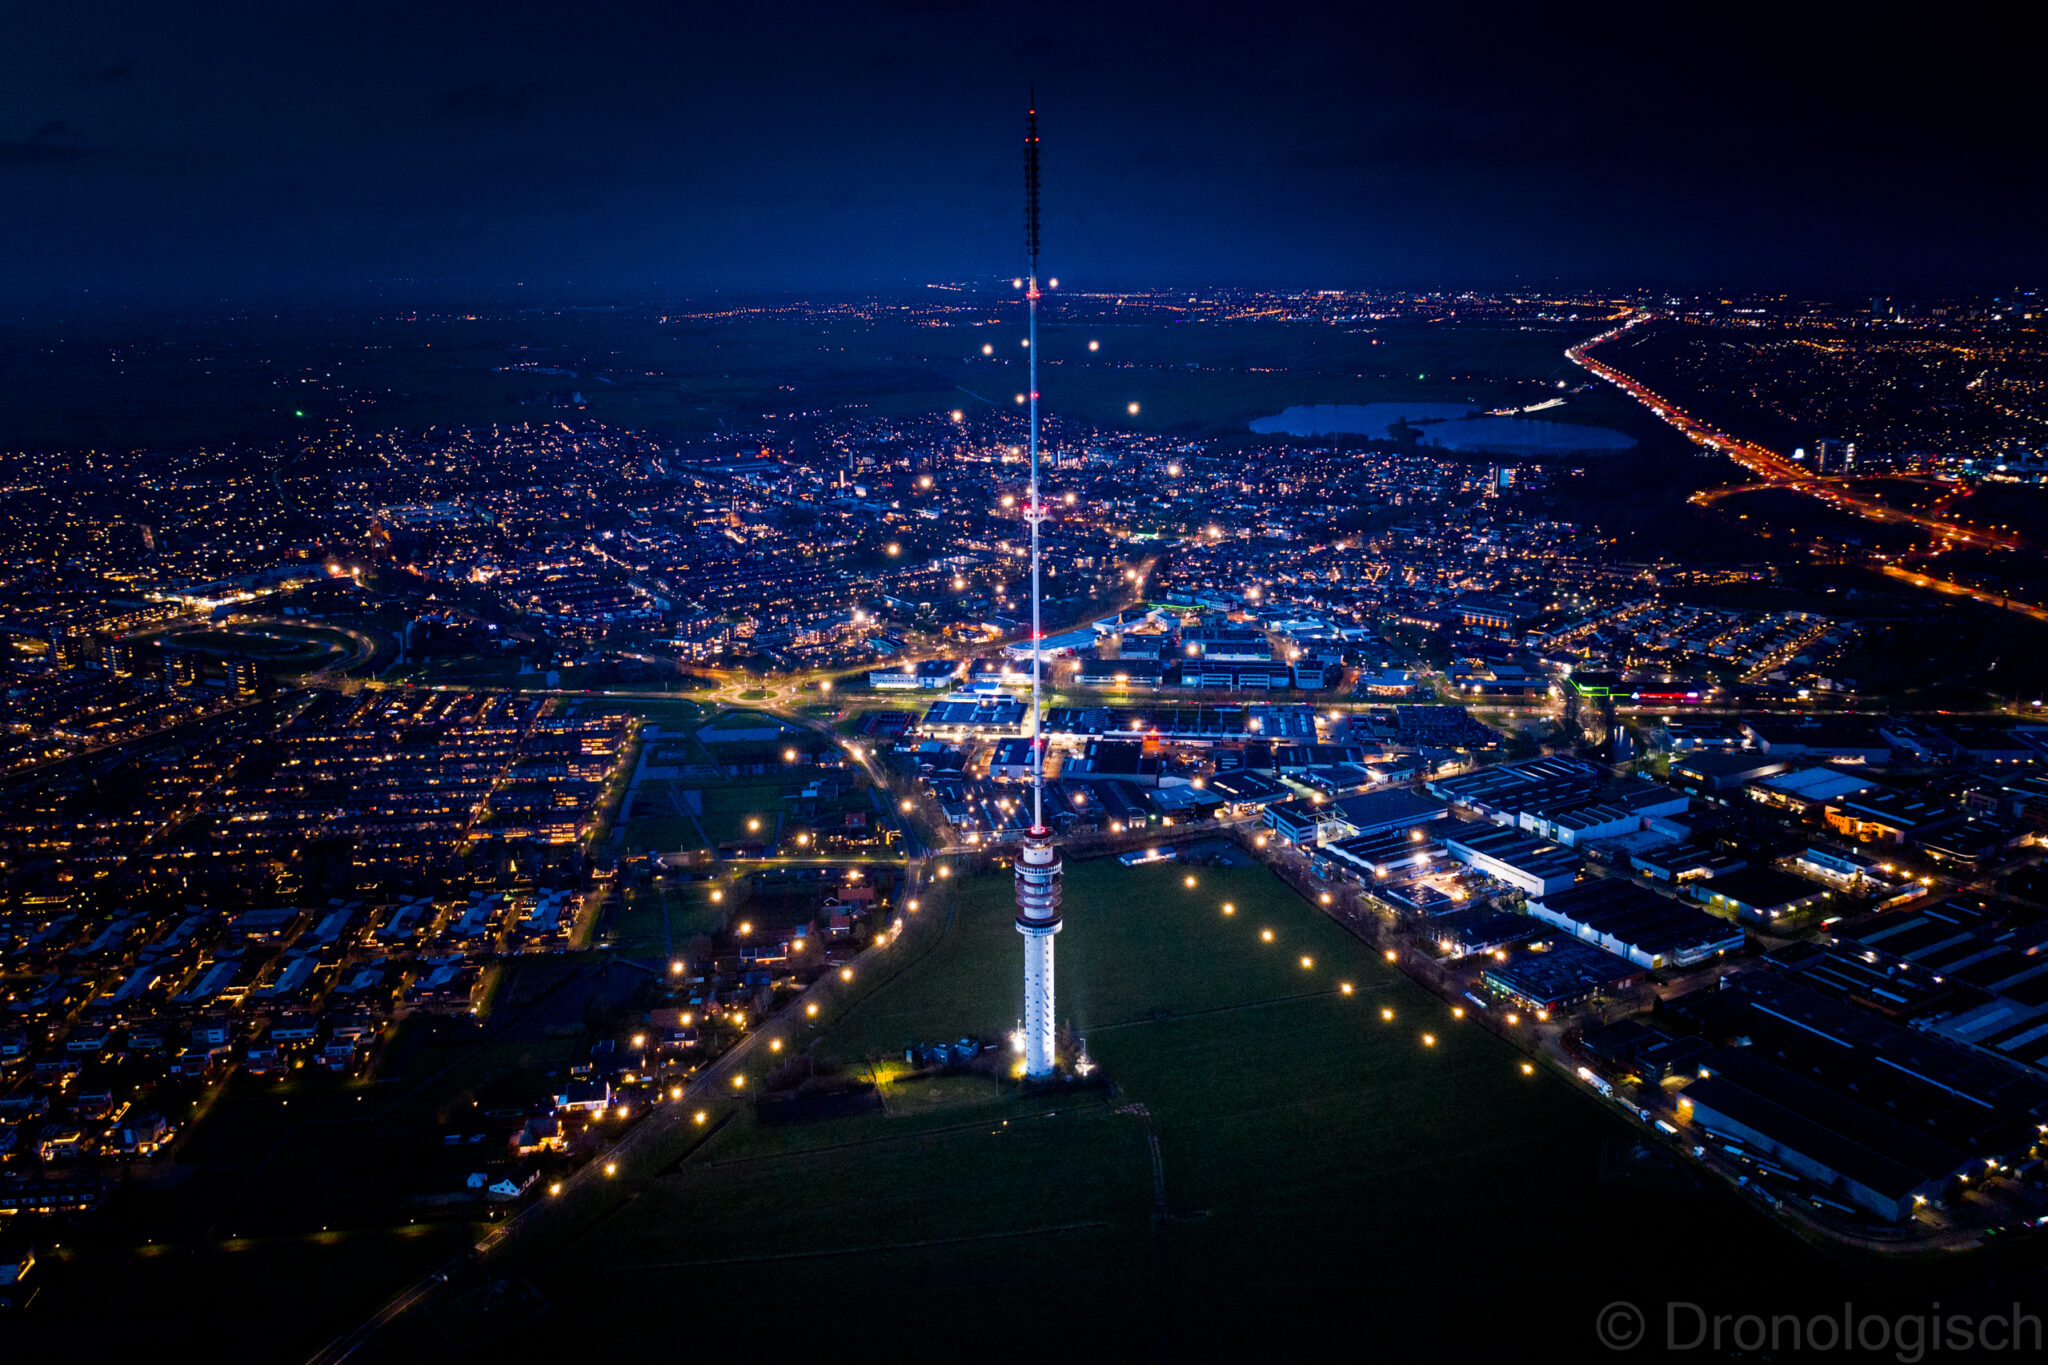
(382, 760)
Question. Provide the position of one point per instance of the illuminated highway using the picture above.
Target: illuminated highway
(1954, 589)
(1774, 470)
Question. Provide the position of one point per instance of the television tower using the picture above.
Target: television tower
(1038, 864)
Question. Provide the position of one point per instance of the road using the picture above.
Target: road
(1955, 589)
(600, 1178)
(640, 1153)
(1774, 470)
(810, 686)
(648, 1147)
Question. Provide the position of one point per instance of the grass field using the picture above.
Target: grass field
(641, 931)
(287, 648)
(464, 671)
(661, 833)
(254, 1299)
(673, 715)
(1325, 1174)
(742, 720)
(280, 1221)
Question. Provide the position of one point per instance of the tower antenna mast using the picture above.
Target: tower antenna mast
(1034, 507)
(1038, 864)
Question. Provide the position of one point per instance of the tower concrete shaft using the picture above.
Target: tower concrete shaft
(1039, 870)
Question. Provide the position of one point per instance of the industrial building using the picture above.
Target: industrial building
(1561, 974)
(1319, 821)
(1530, 865)
(1881, 1164)
(1763, 896)
(1648, 929)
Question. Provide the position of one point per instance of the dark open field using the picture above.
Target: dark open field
(1323, 1175)
(292, 648)
(121, 384)
(249, 1299)
(281, 1219)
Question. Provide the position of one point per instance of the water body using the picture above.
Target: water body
(1447, 426)
(1524, 436)
(1356, 419)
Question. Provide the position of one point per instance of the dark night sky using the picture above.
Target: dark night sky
(315, 148)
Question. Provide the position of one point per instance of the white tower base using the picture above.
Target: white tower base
(1038, 919)
(1038, 1020)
